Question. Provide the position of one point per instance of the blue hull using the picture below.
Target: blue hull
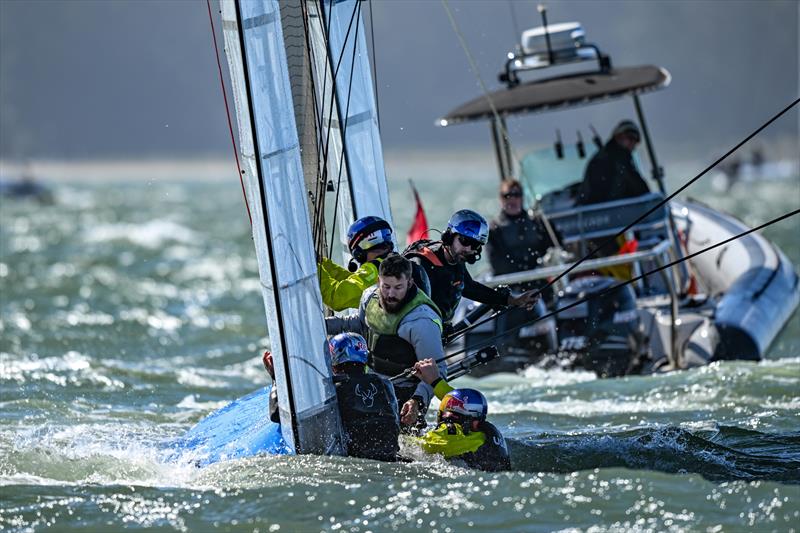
(240, 429)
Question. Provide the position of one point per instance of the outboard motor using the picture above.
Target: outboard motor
(603, 334)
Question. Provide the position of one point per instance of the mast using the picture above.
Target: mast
(276, 192)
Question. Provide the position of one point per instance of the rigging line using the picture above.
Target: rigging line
(498, 120)
(325, 146)
(344, 131)
(374, 66)
(227, 111)
(487, 342)
(642, 217)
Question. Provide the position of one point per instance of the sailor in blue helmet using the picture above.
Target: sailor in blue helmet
(370, 240)
(445, 263)
(367, 403)
(462, 433)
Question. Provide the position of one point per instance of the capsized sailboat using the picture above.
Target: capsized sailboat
(308, 136)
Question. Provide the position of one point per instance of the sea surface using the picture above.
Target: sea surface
(130, 309)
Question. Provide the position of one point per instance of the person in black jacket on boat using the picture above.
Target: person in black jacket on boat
(446, 261)
(611, 174)
(367, 403)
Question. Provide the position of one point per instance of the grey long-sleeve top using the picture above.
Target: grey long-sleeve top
(420, 328)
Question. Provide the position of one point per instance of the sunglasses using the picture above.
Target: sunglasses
(469, 242)
(514, 194)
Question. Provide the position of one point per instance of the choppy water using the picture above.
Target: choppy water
(129, 312)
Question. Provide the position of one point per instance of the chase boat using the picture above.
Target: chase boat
(729, 303)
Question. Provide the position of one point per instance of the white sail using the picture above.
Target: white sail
(276, 193)
(355, 156)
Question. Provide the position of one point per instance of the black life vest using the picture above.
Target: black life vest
(368, 409)
(446, 280)
(493, 455)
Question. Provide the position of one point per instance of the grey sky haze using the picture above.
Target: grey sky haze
(122, 79)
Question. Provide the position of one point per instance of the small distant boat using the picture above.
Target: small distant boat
(730, 303)
(25, 187)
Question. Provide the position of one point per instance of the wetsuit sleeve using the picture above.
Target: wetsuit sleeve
(423, 330)
(342, 289)
(493, 456)
(481, 293)
(274, 414)
(441, 388)
(355, 323)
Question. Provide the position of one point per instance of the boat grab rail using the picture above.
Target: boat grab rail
(659, 250)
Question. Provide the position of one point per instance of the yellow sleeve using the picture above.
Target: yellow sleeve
(442, 388)
(341, 293)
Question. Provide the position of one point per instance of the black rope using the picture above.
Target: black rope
(344, 130)
(629, 226)
(487, 342)
(326, 26)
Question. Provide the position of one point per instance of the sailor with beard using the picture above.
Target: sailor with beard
(402, 326)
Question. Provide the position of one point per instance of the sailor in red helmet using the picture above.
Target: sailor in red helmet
(462, 433)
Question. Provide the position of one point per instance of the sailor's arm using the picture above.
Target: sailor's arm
(342, 289)
(355, 323)
(481, 293)
(428, 371)
(423, 331)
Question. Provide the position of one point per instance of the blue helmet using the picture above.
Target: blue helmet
(469, 224)
(367, 233)
(348, 348)
(467, 407)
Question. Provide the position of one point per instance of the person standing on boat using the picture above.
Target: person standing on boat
(370, 241)
(611, 173)
(446, 261)
(367, 404)
(403, 326)
(462, 433)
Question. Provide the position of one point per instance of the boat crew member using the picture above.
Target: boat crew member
(370, 241)
(611, 173)
(367, 404)
(517, 240)
(462, 433)
(403, 326)
(445, 262)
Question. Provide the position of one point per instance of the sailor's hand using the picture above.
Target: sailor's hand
(526, 299)
(409, 413)
(267, 360)
(426, 370)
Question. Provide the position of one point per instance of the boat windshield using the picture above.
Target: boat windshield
(543, 172)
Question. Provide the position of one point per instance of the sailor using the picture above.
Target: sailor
(445, 262)
(611, 174)
(402, 326)
(370, 241)
(367, 404)
(517, 241)
(462, 433)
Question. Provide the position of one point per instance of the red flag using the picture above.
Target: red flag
(419, 229)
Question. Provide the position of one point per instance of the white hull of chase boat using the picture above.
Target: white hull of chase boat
(753, 284)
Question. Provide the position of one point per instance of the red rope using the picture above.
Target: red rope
(227, 110)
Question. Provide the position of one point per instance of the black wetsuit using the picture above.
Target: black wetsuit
(369, 414)
(492, 456)
(450, 281)
(611, 175)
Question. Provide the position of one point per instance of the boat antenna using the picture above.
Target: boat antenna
(514, 25)
(596, 137)
(579, 146)
(543, 12)
(500, 123)
(490, 340)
